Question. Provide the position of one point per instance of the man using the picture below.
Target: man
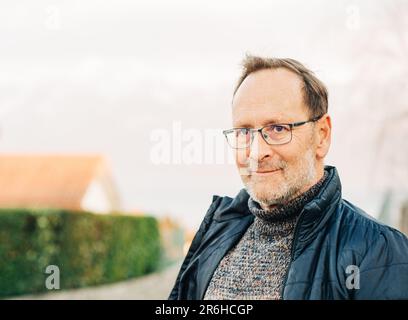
(288, 234)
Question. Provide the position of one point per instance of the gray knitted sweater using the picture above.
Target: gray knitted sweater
(256, 267)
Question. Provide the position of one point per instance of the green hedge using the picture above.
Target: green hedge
(89, 249)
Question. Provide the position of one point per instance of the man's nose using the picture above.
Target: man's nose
(259, 149)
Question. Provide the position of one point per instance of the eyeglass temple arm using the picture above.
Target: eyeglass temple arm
(297, 124)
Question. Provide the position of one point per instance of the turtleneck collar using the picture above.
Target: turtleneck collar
(289, 210)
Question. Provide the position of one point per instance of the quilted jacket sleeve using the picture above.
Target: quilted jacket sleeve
(384, 269)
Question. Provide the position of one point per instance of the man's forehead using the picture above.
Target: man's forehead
(269, 96)
(270, 84)
(252, 118)
(259, 114)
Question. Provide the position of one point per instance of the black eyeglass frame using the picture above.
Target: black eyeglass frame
(252, 131)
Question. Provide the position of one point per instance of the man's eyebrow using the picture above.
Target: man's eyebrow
(272, 121)
(264, 123)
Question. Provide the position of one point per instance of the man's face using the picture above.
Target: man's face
(274, 174)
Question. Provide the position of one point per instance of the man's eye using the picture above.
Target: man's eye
(243, 131)
(278, 129)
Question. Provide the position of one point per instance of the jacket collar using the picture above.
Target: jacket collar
(316, 213)
(230, 208)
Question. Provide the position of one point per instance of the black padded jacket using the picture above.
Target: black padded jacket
(338, 251)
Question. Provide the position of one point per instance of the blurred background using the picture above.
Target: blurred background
(111, 115)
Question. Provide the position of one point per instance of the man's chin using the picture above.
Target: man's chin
(264, 197)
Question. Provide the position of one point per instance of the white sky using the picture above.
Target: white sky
(100, 76)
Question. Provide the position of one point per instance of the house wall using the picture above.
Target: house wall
(96, 199)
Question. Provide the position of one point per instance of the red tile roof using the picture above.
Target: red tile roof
(46, 180)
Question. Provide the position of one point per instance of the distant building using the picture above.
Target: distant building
(172, 236)
(394, 210)
(74, 182)
(403, 221)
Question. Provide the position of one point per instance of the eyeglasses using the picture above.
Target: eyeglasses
(273, 134)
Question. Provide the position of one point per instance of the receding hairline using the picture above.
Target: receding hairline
(270, 72)
(253, 64)
(314, 91)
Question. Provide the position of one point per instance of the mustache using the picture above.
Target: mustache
(250, 165)
(267, 166)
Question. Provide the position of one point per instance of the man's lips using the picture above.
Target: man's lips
(265, 172)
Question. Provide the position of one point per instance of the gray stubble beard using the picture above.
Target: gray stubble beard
(293, 186)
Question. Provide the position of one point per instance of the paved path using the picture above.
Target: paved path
(153, 286)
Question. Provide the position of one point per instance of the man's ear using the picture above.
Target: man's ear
(324, 136)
